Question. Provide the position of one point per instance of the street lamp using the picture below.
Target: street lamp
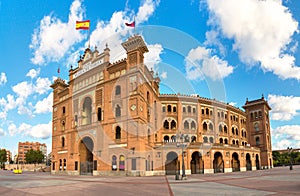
(182, 145)
(290, 149)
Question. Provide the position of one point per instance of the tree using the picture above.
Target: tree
(3, 158)
(34, 156)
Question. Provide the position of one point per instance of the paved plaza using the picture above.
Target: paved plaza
(277, 181)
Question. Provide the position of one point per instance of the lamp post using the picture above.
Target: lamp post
(290, 149)
(182, 145)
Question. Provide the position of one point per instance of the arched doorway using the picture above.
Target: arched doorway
(218, 163)
(172, 163)
(86, 147)
(248, 162)
(235, 162)
(197, 165)
(257, 162)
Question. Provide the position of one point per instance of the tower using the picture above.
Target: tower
(258, 126)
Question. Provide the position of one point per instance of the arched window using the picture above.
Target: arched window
(166, 124)
(118, 133)
(221, 140)
(118, 90)
(236, 131)
(220, 128)
(211, 128)
(63, 125)
(193, 125)
(169, 108)
(233, 142)
(65, 164)
(237, 142)
(122, 163)
(174, 108)
(149, 136)
(225, 129)
(166, 138)
(232, 130)
(204, 126)
(193, 138)
(148, 96)
(63, 142)
(194, 110)
(60, 164)
(202, 110)
(173, 138)
(251, 116)
(189, 109)
(257, 141)
(186, 125)
(256, 127)
(114, 163)
(64, 110)
(164, 109)
(211, 139)
(173, 124)
(207, 111)
(226, 141)
(184, 109)
(245, 134)
(205, 140)
(118, 111)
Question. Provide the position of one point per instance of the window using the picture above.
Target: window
(202, 111)
(193, 125)
(184, 109)
(186, 125)
(64, 110)
(149, 136)
(193, 138)
(169, 108)
(256, 127)
(174, 108)
(194, 110)
(236, 131)
(220, 128)
(173, 124)
(122, 163)
(63, 125)
(60, 164)
(65, 164)
(221, 140)
(232, 130)
(205, 140)
(53, 166)
(133, 164)
(173, 138)
(166, 124)
(233, 142)
(226, 141)
(118, 90)
(257, 141)
(166, 138)
(189, 109)
(62, 142)
(211, 139)
(148, 97)
(211, 127)
(164, 108)
(118, 111)
(204, 126)
(207, 111)
(76, 165)
(99, 114)
(118, 133)
(95, 165)
(225, 129)
(114, 163)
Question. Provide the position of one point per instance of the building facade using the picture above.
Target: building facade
(110, 119)
(24, 147)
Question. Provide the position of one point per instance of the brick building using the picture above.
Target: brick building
(24, 147)
(110, 119)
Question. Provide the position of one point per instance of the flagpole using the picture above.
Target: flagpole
(89, 38)
(134, 25)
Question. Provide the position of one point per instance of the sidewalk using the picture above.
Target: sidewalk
(276, 181)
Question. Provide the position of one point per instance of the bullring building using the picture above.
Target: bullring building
(110, 119)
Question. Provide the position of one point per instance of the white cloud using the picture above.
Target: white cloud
(3, 79)
(2, 133)
(52, 40)
(152, 58)
(23, 89)
(112, 31)
(42, 85)
(164, 75)
(200, 63)
(45, 105)
(42, 131)
(33, 73)
(283, 107)
(262, 32)
(288, 135)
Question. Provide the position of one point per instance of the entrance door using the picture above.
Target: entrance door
(86, 156)
(257, 162)
(235, 162)
(197, 166)
(172, 163)
(218, 163)
(248, 162)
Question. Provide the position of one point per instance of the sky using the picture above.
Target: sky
(225, 50)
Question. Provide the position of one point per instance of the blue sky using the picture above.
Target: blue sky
(229, 50)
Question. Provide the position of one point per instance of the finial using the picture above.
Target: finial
(106, 45)
(95, 47)
(262, 96)
(71, 66)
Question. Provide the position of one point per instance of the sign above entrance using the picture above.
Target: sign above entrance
(87, 67)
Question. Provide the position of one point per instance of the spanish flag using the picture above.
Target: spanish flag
(85, 25)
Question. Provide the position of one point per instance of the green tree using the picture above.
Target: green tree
(2, 158)
(34, 156)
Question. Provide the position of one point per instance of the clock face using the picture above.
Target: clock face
(133, 107)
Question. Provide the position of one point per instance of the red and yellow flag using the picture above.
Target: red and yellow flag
(85, 25)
